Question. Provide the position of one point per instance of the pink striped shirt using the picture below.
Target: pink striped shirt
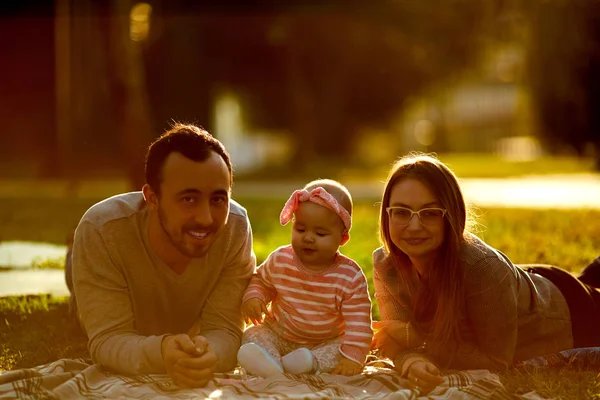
(314, 306)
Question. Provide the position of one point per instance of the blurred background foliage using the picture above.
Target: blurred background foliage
(87, 85)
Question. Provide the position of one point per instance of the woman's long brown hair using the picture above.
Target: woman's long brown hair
(440, 300)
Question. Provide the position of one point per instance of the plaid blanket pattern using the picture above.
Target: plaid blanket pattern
(73, 379)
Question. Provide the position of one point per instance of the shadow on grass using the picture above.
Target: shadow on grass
(36, 330)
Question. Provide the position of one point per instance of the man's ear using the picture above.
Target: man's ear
(345, 237)
(150, 197)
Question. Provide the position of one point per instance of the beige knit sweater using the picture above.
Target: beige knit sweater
(129, 299)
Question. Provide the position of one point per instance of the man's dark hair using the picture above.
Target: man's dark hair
(191, 141)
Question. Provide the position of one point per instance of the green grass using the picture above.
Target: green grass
(48, 263)
(556, 383)
(464, 165)
(36, 330)
(492, 166)
(50, 220)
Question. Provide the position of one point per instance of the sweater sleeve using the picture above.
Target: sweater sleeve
(105, 309)
(492, 317)
(261, 284)
(356, 310)
(221, 320)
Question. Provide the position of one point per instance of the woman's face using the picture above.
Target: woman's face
(419, 241)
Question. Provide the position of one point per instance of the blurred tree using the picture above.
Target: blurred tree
(89, 131)
(320, 71)
(87, 121)
(324, 72)
(59, 154)
(563, 61)
(27, 90)
(128, 84)
(177, 70)
(103, 118)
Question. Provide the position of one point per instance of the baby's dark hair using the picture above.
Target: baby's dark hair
(334, 188)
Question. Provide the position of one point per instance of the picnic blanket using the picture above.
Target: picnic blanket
(73, 379)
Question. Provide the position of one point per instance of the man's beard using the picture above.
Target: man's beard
(179, 246)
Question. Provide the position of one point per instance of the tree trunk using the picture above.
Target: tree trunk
(129, 94)
(303, 109)
(85, 92)
(318, 105)
(62, 159)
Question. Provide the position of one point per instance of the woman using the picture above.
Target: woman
(448, 300)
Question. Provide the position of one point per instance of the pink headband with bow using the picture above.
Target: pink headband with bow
(319, 196)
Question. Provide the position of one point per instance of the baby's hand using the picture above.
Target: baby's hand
(347, 367)
(253, 310)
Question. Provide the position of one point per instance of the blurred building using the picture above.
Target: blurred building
(476, 113)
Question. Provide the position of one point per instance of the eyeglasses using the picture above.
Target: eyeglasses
(427, 216)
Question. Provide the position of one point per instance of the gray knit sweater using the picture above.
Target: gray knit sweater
(510, 314)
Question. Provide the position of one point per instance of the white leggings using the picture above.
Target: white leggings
(326, 353)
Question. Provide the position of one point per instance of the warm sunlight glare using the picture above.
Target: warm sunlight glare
(139, 25)
(425, 132)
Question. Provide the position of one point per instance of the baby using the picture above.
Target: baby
(320, 314)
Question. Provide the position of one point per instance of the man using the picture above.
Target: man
(159, 274)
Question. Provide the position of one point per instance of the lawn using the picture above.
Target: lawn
(36, 329)
(464, 165)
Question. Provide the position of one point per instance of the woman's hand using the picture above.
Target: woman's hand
(386, 345)
(389, 337)
(424, 376)
(394, 328)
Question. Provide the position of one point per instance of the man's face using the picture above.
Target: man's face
(194, 202)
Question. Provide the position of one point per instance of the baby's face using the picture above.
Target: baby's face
(317, 235)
